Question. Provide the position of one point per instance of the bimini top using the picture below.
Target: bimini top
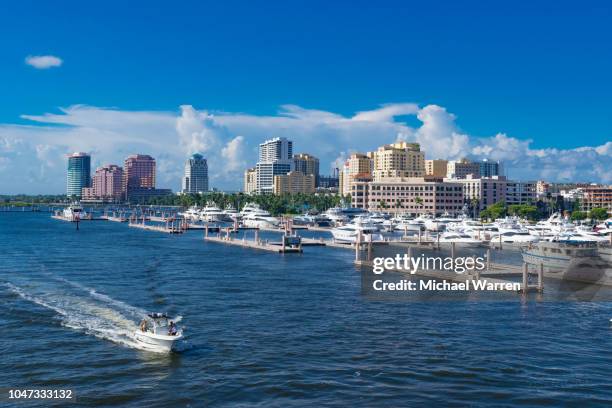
(157, 315)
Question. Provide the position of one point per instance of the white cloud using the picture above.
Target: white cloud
(43, 61)
(229, 141)
(233, 153)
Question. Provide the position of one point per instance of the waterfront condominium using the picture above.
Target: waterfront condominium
(108, 182)
(196, 175)
(307, 164)
(359, 166)
(275, 158)
(138, 172)
(79, 174)
(398, 160)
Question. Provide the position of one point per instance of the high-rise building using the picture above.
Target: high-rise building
(275, 158)
(250, 180)
(357, 165)
(138, 172)
(294, 182)
(196, 175)
(436, 168)
(108, 182)
(307, 164)
(490, 168)
(79, 174)
(460, 169)
(278, 148)
(398, 160)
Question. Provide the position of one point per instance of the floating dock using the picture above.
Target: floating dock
(259, 244)
(157, 228)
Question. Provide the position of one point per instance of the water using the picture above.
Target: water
(264, 329)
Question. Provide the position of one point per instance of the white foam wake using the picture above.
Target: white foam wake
(93, 313)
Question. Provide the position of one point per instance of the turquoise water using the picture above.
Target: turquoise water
(263, 329)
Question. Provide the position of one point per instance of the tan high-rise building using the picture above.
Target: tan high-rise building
(307, 164)
(294, 182)
(250, 180)
(436, 168)
(398, 160)
(460, 169)
(357, 165)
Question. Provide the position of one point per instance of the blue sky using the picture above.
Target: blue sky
(538, 72)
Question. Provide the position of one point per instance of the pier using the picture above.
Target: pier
(169, 227)
(225, 237)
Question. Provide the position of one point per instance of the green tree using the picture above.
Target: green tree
(598, 214)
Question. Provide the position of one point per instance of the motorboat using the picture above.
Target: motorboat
(358, 229)
(157, 333)
(192, 213)
(578, 237)
(458, 238)
(303, 220)
(249, 208)
(260, 219)
(514, 237)
(569, 261)
(231, 213)
(212, 213)
(74, 212)
(336, 216)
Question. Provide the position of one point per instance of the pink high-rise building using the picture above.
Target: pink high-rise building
(108, 182)
(138, 172)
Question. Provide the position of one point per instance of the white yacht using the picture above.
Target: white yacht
(336, 215)
(231, 213)
(249, 208)
(157, 333)
(74, 211)
(408, 224)
(459, 238)
(578, 236)
(350, 232)
(192, 213)
(212, 213)
(514, 237)
(569, 261)
(260, 219)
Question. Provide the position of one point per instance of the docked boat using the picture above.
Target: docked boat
(74, 212)
(336, 216)
(157, 333)
(212, 213)
(514, 237)
(260, 219)
(192, 213)
(231, 213)
(459, 238)
(358, 229)
(569, 261)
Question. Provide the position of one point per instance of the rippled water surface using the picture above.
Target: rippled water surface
(264, 329)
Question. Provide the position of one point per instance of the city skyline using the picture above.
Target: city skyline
(520, 87)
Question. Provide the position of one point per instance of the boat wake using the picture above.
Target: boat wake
(86, 310)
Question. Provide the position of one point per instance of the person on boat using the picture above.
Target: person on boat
(143, 325)
(172, 329)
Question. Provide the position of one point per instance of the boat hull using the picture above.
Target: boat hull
(156, 342)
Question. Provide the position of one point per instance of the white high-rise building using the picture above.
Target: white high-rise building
(196, 175)
(275, 159)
